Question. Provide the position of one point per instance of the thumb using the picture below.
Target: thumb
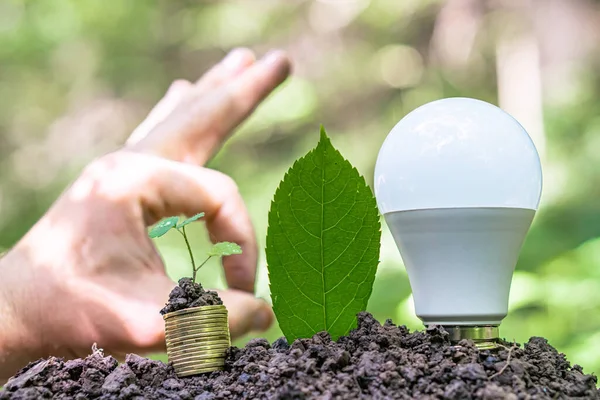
(145, 326)
(246, 312)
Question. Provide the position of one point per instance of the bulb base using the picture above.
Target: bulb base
(485, 337)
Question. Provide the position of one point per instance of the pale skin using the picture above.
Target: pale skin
(87, 272)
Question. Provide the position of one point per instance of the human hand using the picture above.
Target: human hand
(87, 271)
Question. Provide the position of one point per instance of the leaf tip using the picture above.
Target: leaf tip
(323, 134)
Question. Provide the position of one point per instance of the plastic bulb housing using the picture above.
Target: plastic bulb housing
(458, 181)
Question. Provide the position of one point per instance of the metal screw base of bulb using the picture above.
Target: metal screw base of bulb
(485, 337)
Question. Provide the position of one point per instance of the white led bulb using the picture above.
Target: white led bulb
(458, 181)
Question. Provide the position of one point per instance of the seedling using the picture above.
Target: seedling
(218, 249)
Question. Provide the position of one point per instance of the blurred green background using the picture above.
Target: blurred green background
(76, 77)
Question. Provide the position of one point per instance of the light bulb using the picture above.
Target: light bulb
(458, 182)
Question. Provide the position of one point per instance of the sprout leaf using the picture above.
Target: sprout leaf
(190, 220)
(163, 227)
(224, 249)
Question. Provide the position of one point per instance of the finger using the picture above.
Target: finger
(161, 110)
(234, 63)
(195, 129)
(236, 101)
(166, 188)
(189, 190)
(230, 222)
(146, 327)
(246, 92)
(246, 312)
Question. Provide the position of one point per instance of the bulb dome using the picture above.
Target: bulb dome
(455, 153)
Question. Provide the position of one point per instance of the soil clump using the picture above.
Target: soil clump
(373, 362)
(188, 294)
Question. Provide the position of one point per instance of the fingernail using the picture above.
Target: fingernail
(178, 87)
(234, 59)
(272, 56)
(262, 319)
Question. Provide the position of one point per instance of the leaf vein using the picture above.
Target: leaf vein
(355, 265)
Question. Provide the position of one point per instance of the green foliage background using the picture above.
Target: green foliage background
(76, 77)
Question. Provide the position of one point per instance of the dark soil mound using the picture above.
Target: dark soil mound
(373, 362)
(189, 294)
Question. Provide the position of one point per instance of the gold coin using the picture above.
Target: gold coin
(198, 356)
(196, 317)
(198, 342)
(211, 312)
(201, 371)
(198, 346)
(200, 363)
(192, 327)
(213, 357)
(198, 338)
(198, 370)
(192, 324)
(198, 352)
(218, 325)
(198, 332)
(192, 367)
(197, 324)
(198, 308)
(215, 313)
(196, 313)
(198, 327)
(176, 333)
(188, 348)
(201, 309)
(201, 357)
(196, 321)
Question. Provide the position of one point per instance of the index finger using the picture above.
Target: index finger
(240, 97)
(194, 131)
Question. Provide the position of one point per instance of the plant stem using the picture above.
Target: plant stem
(187, 243)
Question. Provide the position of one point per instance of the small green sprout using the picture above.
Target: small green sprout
(218, 250)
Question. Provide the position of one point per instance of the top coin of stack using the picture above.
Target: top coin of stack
(197, 339)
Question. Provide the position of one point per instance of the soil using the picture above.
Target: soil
(374, 362)
(189, 294)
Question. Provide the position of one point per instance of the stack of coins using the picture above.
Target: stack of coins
(197, 339)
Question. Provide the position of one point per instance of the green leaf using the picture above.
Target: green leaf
(190, 220)
(224, 249)
(163, 227)
(322, 245)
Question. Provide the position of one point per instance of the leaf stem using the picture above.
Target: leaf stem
(200, 266)
(187, 243)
